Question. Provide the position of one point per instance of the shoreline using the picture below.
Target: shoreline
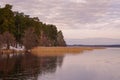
(50, 50)
(11, 51)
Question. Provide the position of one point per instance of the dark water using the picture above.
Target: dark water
(101, 64)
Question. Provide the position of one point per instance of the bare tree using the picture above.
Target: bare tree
(43, 39)
(8, 39)
(30, 39)
(1, 40)
(60, 39)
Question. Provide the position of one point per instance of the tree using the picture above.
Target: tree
(7, 19)
(27, 30)
(60, 39)
(30, 39)
(8, 6)
(8, 39)
(1, 40)
(19, 26)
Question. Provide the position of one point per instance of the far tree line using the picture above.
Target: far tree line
(18, 28)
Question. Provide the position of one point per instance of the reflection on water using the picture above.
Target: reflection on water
(27, 66)
(100, 64)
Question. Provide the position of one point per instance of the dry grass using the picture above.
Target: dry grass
(10, 51)
(52, 51)
(59, 51)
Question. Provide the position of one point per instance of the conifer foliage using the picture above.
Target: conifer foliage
(19, 28)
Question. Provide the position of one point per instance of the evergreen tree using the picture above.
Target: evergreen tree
(16, 26)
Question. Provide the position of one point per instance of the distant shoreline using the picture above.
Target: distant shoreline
(115, 46)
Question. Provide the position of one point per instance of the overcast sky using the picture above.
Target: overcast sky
(77, 19)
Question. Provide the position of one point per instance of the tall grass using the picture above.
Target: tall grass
(52, 51)
(59, 51)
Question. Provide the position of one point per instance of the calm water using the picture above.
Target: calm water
(101, 64)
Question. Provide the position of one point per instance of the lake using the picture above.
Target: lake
(98, 64)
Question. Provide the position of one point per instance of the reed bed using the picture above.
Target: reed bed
(51, 51)
(59, 51)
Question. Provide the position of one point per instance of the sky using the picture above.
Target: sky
(78, 19)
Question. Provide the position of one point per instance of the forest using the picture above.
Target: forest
(18, 28)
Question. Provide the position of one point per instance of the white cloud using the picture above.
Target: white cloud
(78, 1)
(81, 34)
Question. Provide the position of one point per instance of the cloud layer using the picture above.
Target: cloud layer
(73, 14)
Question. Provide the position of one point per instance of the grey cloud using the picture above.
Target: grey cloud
(70, 13)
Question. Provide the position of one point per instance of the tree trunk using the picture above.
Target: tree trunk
(8, 46)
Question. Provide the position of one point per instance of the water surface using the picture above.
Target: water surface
(100, 64)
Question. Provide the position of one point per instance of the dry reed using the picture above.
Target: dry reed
(59, 51)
